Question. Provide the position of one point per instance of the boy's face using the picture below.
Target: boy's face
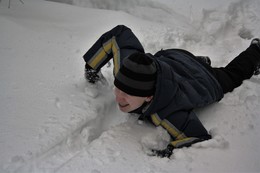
(128, 103)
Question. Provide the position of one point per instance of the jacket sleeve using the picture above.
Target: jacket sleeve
(184, 127)
(117, 43)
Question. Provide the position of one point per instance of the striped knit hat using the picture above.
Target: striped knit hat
(137, 75)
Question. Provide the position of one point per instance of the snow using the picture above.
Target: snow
(52, 120)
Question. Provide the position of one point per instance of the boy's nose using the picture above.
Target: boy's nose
(119, 97)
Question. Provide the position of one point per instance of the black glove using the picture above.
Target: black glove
(91, 74)
(164, 153)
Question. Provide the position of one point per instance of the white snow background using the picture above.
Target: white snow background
(52, 120)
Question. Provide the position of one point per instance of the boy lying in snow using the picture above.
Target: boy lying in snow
(164, 88)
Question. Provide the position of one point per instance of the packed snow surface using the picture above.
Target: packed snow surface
(52, 120)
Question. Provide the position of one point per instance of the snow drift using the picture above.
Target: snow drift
(52, 120)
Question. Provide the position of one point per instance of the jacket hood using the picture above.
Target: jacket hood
(165, 88)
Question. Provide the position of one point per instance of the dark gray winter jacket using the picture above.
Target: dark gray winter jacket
(182, 84)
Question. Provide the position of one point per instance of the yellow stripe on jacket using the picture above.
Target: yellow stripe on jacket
(180, 138)
(102, 55)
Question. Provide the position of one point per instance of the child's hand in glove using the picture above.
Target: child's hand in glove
(91, 74)
(164, 153)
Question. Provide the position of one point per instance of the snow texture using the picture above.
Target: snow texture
(52, 120)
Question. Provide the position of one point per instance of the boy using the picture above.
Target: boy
(164, 88)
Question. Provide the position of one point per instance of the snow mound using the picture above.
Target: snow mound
(52, 120)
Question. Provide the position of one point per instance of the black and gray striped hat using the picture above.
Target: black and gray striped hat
(137, 75)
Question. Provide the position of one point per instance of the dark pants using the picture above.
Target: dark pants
(240, 68)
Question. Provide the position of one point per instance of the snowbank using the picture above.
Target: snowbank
(52, 120)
